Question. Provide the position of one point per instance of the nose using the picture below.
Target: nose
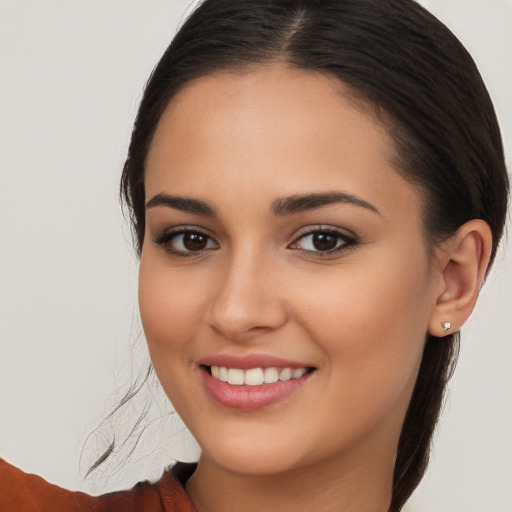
(249, 300)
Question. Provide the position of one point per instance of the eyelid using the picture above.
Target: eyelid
(164, 239)
(184, 228)
(314, 228)
(348, 237)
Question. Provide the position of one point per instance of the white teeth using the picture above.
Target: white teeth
(255, 376)
(271, 375)
(298, 372)
(285, 374)
(223, 373)
(235, 376)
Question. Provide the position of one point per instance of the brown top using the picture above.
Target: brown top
(22, 492)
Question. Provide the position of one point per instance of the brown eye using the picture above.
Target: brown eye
(324, 241)
(194, 241)
(185, 242)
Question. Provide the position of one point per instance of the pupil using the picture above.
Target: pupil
(324, 241)
(194, 241)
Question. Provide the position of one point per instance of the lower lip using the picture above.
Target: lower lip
(249, 398)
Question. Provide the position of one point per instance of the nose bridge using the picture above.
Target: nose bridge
(247, 299)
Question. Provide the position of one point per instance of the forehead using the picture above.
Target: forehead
(290, 129)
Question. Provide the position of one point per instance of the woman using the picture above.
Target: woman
(274, 153)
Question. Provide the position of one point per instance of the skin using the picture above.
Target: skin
(359, 315)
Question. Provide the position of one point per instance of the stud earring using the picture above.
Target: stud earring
(446, 326)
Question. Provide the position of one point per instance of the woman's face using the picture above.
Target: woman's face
(281, 244)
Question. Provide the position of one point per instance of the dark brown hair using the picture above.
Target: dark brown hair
(409, 67)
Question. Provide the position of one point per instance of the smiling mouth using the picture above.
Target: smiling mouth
(256, 376)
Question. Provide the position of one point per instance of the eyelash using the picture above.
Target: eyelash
(165, 240)
(344, 241)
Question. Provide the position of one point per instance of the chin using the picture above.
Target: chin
(253, 464)
(253, 459)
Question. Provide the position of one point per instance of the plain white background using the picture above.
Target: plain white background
(71, 76)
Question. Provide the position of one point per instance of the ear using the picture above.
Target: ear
(461, 264)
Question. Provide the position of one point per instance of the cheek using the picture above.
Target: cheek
(369, 328)
(170, 305)
(370, 320)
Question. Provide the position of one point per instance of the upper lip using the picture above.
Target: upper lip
(248, 361)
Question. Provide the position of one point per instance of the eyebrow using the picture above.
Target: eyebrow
(302, 203)
(185, 204)
(280, 207)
